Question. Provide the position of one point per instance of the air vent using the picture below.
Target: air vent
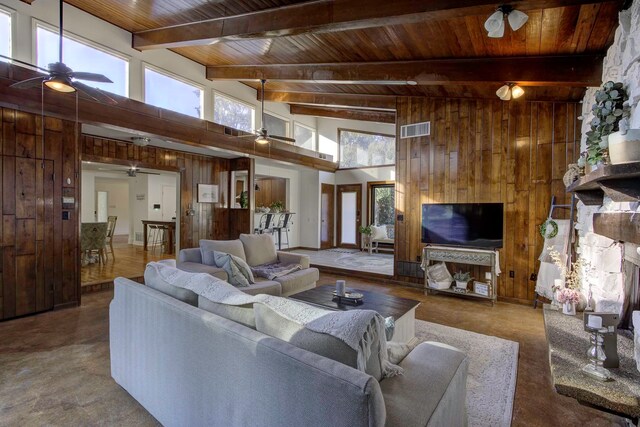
(416, 129)
(139, 236)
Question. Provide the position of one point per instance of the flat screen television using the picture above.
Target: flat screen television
(474, 225)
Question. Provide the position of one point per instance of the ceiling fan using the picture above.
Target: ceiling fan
(61, 78)
(132, 171)
(263, 136)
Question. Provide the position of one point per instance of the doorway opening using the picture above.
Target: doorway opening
(128, 218)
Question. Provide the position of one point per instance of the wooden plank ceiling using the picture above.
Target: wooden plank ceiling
(565, 38)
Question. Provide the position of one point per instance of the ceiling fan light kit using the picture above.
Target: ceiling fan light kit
(509, 91)
(60, 84)
(495, 23)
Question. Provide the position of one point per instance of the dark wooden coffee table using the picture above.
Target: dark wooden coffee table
(403, 310)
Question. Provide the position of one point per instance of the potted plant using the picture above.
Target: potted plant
(610, 108)
(244, 200)
(276, 206)
(462, 279)
(568, 298)
(366, 232)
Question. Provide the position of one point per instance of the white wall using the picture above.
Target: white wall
(117, 201)
(155, 186)
(139, 208)
(328, 132)
(89, 27)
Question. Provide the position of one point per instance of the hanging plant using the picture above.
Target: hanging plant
(610, 108)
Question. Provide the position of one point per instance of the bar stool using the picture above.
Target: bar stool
(284, 225)
(151, 236)
(161, 238)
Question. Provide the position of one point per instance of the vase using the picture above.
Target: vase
(461, 284)
(569, 308)
(624, 148)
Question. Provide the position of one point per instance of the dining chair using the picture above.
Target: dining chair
(93, 237)
(111, 228)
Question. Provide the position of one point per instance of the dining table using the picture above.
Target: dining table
(171, 231)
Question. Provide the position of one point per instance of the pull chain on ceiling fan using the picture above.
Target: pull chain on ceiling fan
(263, 136)
(61, 78)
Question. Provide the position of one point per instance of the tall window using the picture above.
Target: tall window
(164, 91)
(305, 136)
(276, 125)
(80, 56)
(382, 198)
(232, 113)
(5, 34)
(361, 149)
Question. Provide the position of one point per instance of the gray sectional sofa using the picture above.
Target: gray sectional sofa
(255, 249)
(190, 367)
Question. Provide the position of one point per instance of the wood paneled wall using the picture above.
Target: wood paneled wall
(211, 221)
(271, 190)
(39, 260)
(486, 151)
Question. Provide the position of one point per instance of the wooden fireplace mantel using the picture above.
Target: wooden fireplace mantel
(619, 182)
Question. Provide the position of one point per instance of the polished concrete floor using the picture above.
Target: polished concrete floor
(54, 367)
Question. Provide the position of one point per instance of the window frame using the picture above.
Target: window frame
(14, 29)
(340, 130)
(232, 98)
(315, 134)
(162, 71)
(371, 186)
(286, 120)
(36, 23)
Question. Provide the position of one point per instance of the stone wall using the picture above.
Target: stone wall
(607, 278)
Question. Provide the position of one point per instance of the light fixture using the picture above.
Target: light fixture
(495, 23)
(60, 84)
(509, 91)
(262, 140)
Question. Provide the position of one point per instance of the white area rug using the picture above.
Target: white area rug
(493, 367)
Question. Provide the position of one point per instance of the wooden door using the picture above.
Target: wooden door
(27, 263)
(327, 215)
(349, 215)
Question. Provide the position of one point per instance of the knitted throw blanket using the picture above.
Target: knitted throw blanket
(275, 270)
(356, 328)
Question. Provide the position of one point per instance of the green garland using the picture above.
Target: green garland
(554, 229)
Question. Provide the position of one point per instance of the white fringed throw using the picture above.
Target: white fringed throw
(356, 328)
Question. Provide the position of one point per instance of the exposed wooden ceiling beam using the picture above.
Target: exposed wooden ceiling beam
(576, 71)
(324, 16)
(343, 113)
(374, 102)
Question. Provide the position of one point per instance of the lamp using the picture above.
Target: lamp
(495, 23)
(509, 91)
(60, 84)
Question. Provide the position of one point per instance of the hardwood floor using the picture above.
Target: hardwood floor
(55, 366)
(129, 262)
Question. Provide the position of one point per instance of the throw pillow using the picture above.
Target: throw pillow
(391, 231)
(233, 247)
(155, 276)
(378, 233)
(259, 249)
(238, 271)
(398, 351)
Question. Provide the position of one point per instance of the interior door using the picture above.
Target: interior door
(28, 253)
(327, 215)
(349, 215)
(168, 202)
(102, 208)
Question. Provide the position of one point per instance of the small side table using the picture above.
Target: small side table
(367, 243)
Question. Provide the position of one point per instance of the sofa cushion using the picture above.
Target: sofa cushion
(196, 267)
(260, 249)
(264, 286)
(233, 247)
(242, 314)
(271, 323)
(155, 279)
(298, 281)
(238, 272)
(432, 391)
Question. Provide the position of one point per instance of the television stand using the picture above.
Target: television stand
(483, 257)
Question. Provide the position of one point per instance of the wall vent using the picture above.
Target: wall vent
(139, 236)
(416, 129)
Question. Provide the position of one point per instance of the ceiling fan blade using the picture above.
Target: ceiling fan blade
(92, 77)
(148, 173)
(248, 136)
(281, 138)
(29, 83)
(24, 63)
(95, 93)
